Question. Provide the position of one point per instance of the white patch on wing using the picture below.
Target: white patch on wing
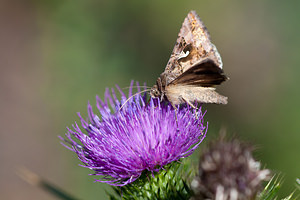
(183, 55)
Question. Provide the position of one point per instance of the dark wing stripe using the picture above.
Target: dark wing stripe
(204, 74)
(202, 80)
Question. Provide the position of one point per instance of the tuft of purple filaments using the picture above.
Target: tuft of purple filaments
(143, 135)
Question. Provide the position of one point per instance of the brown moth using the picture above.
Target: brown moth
(194, 67)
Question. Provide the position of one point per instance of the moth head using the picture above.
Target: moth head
(154, 92)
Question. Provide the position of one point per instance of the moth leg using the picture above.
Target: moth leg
(190, 104)
(176, 112)
(160, 88)
(187, 101)
(162, 97)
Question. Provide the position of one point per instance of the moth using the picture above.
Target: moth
(194, 68)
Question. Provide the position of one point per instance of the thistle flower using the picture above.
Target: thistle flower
(119, 144)
(227, 170)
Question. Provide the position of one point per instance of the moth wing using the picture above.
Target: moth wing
(204, 74)
(193, 45)
(178, 94)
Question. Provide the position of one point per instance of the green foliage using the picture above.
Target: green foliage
(272, 189)
(170, 183)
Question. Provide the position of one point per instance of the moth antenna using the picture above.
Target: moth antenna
(136, 87)
(133, 96)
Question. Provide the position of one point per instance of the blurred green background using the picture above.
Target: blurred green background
(55, 55)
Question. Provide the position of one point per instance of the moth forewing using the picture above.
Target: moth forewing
(179, 94)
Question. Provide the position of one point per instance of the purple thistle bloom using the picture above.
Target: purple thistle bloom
(121, 144)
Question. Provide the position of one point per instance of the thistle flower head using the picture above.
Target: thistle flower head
(227, 170)
(119, 144)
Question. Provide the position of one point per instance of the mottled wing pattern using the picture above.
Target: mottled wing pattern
(193, 45)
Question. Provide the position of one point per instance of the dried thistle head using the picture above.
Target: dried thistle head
(227, 170)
